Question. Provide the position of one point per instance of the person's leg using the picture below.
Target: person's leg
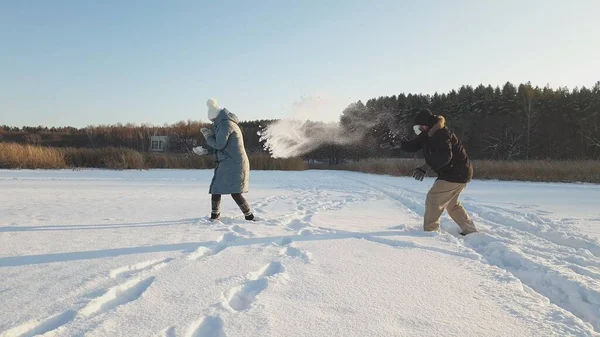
(438, 198)
(216, 206)
(458, 213)
(243, 205)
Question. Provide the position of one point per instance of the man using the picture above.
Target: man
(444, 154)
(232, 173)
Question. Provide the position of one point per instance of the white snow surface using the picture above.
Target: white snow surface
(132, 253)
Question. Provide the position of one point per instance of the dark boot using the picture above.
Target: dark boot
(243, 205)
(216, 206)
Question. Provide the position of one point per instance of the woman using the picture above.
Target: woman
(232, 172)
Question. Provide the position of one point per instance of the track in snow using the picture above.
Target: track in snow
(547, 256)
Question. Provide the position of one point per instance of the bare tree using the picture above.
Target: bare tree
(33, 138)
(504, 144)
(591, 133)
(530, 116)
(91, 133)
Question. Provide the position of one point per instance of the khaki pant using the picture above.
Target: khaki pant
(444, 195)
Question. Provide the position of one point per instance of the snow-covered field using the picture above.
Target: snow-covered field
(131, 253)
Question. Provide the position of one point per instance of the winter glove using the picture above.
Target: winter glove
(207, 132)
(388, 145)
(420, 172)
(201, 151)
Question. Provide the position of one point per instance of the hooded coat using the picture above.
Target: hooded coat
(233, 168)
(443, 152)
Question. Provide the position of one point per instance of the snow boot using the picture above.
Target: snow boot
(465, 233)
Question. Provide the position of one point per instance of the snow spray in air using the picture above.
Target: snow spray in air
(297, 136)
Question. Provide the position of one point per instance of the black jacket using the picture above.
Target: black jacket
(443, 152)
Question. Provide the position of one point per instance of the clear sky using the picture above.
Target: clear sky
(84, 62)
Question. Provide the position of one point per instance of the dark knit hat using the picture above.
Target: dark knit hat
(425, 117)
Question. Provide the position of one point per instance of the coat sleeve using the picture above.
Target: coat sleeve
(219, 140)
(442, 152)
(209, 148)
(413, 145)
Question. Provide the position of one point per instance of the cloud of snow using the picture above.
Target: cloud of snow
(301, 134)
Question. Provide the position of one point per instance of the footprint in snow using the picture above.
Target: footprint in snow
(203, 251)
(52, 323)
(295, 253)
(113, 298)
(240, 298)
(117, 296)
(241, 230)
(168, 332)
(207, 326)
(139, 267)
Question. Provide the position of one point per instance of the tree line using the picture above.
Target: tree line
(511, 122)
(506, 123)
(183, 136)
